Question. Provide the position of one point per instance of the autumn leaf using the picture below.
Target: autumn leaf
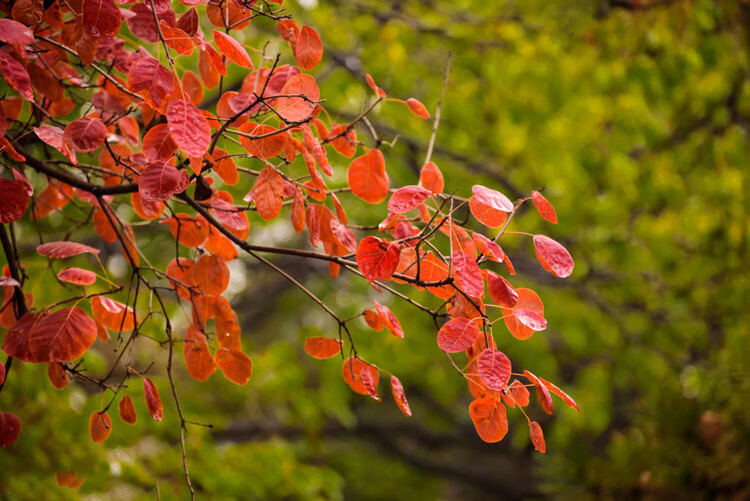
(489, 419)
(153, 401)
(100, 426)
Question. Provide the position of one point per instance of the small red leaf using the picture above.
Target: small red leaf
(352, 372)
(10, 427)
(399, 396)
(57, 375)
(16, 75)
(407, 198)
(545, 208)
(268, 193)
(488, 248)
(64, 249)
(501, 292)
(529, 302)
(376, 258)
(297, 109)
(77, 276)
(389, 320)
(198, 360)
(232, 49)
(100, 426)
(530, 319)
(127, 410)
(492, 198)
(158, 145)
(369, 382)
(211, 274)
(417, 108)
(457, 334)
(553, 256)
(542, 393)
(431, 178)
(13, 202)
(153, 402)
(494, 369)
(468, 275)
(322, 347)
(537, 437)
(557, 391)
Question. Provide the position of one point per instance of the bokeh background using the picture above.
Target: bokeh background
(632, 116)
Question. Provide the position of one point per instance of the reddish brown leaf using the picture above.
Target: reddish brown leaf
(57, 375)
(467, 273)
(13, 202)
(65, 479)
(407, 198)
(210, 274)
(77, 276)
(64, 249)
(160, 180)
(61, 336)
(399, 396)
(85, 134)
(376, 258)
(101, 18)
(494, 369)
(417, 108)
(153, 401)
(198, 360)
(188, 127)
(10, 427)
(16, 75)
(113, 314)
(232, 49)
(148, 74)
(553, 256)
(501, 292)
(297, 109)
(235, 365)
(100, 426)
(431, 178)
(457, 335)
(544, 208)
(322, 347)
(367, 177)
(308, 49)
(126, 410)
(489, 419)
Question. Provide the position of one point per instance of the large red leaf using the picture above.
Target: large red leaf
(100, 426)
(309, 49)
(10, 427)
(13, 202)
(467, 273)
(399, 396)
(15, 33)
(530, 309)
(232, 49)
(188, 127)
(16, 75)
(153, 401)
(85, 134)
(297, 109)
(160, 180)
(235, 365)
(322, 347)
(61, 336)
(101, 18)
(268, 193)
(367, 177)
(407, 198)
(457, 334)
(63, 249)
(376, 258)
(55, 137)
(113, 314)
(553, 256)
(489, 419)
(494, 369)
(544, 207)
(198, 360)
(77, 276)
(501, 292)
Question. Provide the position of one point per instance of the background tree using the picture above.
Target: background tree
(633, 117)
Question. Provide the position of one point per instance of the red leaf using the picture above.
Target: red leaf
(16, 75)
(529, 303)
(530, 319)
(235, 365)
(371, 83)
(432, 269)
(127, 410)
(64, 249)
(417, 108)
(177, 39)
(153, 402)
(158, 145)
(309, 49)
(553, 256)
(322, 347)
(489, 419)
(494, 369)
(431, 178)
(160, 180)
(468, 275)
(367, 177)
(352, 372)
(545, 209)
(113, 314)
(537, 437)
(557, 391)
(10, 427)
(100, 426)
(492, 198)
(57, 375)
(501, 292)
(198, 360)
(189, 231)
(297, 109)
(54, 137)
(77, 276)
(61, 336)
(13, 202)
(298, 210)
(146, 209)
(485, 214)
(232, 49)
(268, 193)
(265, 147)
(188, 127)
(407, 198)
(457, 334)
(374, 320)
(399, 396)
(148, 74)
(376, 258)
(101, 18)
(15, 33)
(210, 274)
(520, 393)
(488, 248)
(542, 392)
(389, 320)
(369, 382)
(85, 134)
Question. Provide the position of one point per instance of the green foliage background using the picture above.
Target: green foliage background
(634, 121)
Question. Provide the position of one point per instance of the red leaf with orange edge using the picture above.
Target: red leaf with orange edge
(153, 401)
(198, 360)
(308, 49)
(537, 437)
(297, 109)
(489, 419)
(529, 302)
(367, 177)
(457, 334)
(10, 427)
(232, 49)
(322, 347)
(553, 256)
(126, 409)
(100, 426)
(57, 375)
(542, 393)
(467, 273)
(146, 209)
(389, 320)
(77, 276)
(352, 372)
(407, 198)
(158, 144)
(417, 108)
(85, 134)
(544, 208)
(113, 314)
(160, 180)
(235, 365)
(210, 274)
(369, 382)
(399, 396)
(13, 202)
(376, 258)
(492, 198)
(557, 391)
(264, 147)
(188, 127)
(501, 292)
(494, 369)
(268, 193)
(488, 248)
(519, 393)
(431, 178)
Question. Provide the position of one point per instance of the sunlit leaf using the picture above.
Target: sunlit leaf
(377, 259)
(489, 419)
(553, 256)
(367, 177)
(457, 334)
(309, 49)
(77, 276)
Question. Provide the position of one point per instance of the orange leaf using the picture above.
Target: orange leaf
(268, 193)
(322, 347)
(235, 365)
(542, 393)
(113, 314)
(297, 109)
(399, 396)
(57, 375)
(537, 437)
(489, 419)
(61, 336)
(367, 177)
(516, 319)
(188, 230)
(210, 274)
(232, 49)
(309, 49)
(100, 426)
(153, 402)
(544, 207)
(266, 147)
(431, 178)
(376, 258)
(389, 320)
(417, 108)
(180, 270)
(200, 364)
(352, 371)
(126, 410)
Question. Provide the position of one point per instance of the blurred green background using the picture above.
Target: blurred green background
(632, 116)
